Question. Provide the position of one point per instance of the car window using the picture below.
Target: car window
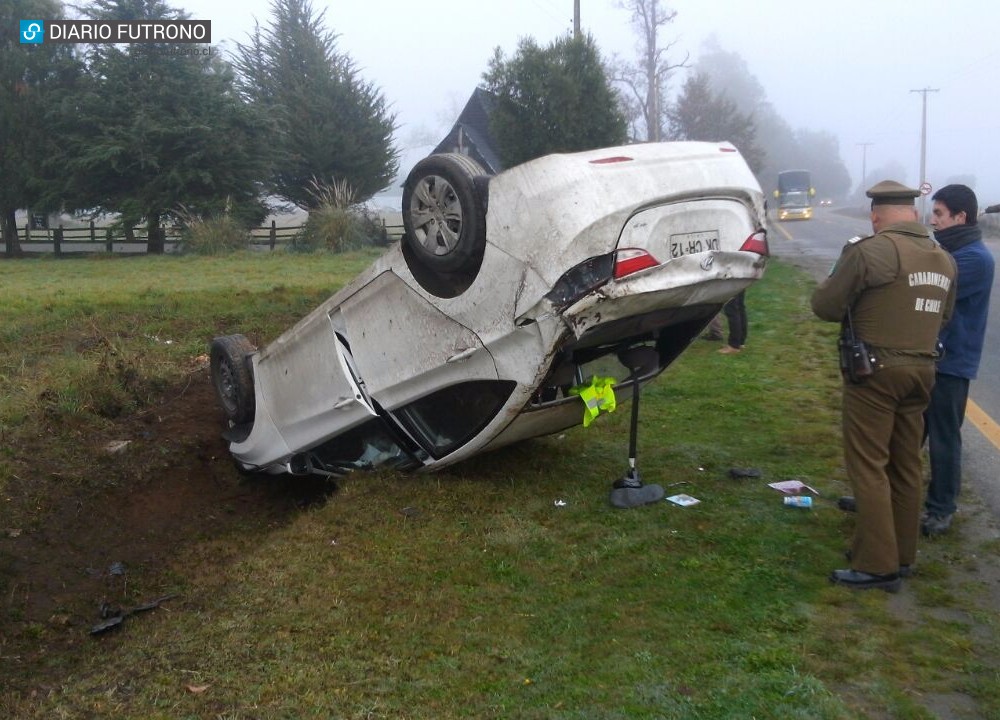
(366, 446)
(448, 418)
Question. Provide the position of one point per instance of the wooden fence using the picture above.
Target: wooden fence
(61, 241)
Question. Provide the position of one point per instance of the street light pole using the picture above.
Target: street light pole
(923, 149)
(864, 168)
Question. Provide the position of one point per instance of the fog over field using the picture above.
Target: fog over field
(850, 68)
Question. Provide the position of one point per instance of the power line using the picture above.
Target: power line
(548, 8)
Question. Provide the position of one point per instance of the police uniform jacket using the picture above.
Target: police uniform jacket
(899, 285)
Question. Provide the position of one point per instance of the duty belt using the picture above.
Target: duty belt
(886, 357)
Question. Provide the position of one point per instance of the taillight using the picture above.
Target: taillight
(757, 243)
(632, 260)
(582, 279)
(596, 271)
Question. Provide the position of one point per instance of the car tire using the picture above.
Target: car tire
(444, 214)
(232, 377)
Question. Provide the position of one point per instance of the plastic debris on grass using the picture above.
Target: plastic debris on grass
(799, 501)
(683, 499)
(792, 487)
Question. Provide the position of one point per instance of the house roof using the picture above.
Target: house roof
(471, 133)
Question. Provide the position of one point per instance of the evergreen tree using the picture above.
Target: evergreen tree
(821, 150)
(332, 126)
(552, 99)
(786, 149)
(29, 74)
(700, 114)
(155, 128)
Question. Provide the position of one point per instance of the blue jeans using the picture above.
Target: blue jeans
(943, 418)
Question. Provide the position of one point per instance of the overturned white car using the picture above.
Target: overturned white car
(505, 292)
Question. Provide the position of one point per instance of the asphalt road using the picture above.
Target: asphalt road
(815, 245)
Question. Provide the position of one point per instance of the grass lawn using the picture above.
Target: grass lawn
(503, 587)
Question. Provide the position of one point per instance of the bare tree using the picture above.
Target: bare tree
(643, 85)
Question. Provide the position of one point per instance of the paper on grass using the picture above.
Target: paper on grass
(792, 487)
(683, 499)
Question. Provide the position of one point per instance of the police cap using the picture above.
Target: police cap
(890, 192)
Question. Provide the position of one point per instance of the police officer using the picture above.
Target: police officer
(897, 288)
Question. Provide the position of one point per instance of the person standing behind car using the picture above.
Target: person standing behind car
(955, 221)
(736, 317)
(897, 286)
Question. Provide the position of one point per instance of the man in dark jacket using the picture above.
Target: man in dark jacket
(954, 219)
(894, 289)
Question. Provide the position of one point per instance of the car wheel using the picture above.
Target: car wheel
(232, 377)
(444, 214)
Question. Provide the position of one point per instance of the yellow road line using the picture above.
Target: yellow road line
(784, 232)
(986, 425)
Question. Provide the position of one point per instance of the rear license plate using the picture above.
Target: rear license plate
(693, 242)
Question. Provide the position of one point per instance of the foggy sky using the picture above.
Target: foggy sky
(847, 67)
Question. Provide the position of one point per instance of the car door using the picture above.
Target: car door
(307, 384)
(405, 347)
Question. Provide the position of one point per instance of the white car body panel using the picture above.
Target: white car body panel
(561, 209)
(303, 380)
(428, 348)
(678, 283)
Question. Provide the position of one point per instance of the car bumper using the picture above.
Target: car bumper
(706, 279)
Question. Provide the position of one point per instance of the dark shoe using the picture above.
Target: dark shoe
(711, 337)
(745, 473)
(858, 580)
(935, 524)
(847, 504)
(905, 571)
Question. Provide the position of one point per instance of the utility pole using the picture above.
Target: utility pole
(576, 19)
(864, 166)
(923, 148)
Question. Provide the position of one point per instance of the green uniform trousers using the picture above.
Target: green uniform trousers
(883, 429)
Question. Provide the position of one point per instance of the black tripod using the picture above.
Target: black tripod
(628, 491)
